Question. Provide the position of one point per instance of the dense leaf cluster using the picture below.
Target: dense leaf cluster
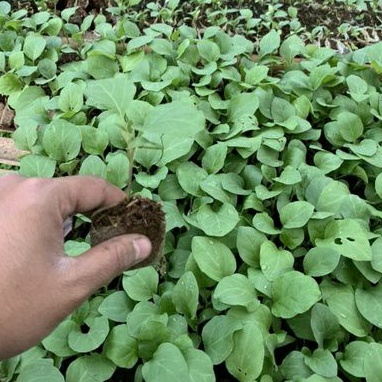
(269, 170)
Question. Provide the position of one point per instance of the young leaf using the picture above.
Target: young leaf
(341, 301)
(269, 43)
(354, 357)
(34, 45)
(296, 214)
(247, 357)
(320, 261)
(93, 165)
(369, 304)
(217, 337)
(217, 222)
(348, 238)
(248, 244)
(116, 306)
(168, 364)
(236, 290)
(120, 348)
(61, 140)
(41, 370)
(324, 324)
(213, 257)
(372, 362)
(288, 301)
(176, 118)
(71, 98)
(95, 367)
(86, 342)
(322, 362)
(113, 94)
(185, 295)
(141, 284)
(273, 261)
(37, 165)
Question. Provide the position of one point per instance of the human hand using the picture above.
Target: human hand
(39, 284)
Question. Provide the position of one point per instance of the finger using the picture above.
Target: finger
(84, 193)
(9, 180)
(98, 266)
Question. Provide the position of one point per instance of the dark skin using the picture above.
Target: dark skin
(39, 284)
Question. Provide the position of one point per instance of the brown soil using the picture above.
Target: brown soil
(133, 215)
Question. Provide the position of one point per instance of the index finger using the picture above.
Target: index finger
(84, 193)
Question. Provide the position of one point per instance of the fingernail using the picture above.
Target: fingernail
(142, 247)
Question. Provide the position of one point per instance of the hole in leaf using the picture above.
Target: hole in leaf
(85, 329)
(350, 239)
(338, 240)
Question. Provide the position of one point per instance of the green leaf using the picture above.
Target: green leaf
(168, 364)
(350, 126)
(243, 104)
(176, 118)
(100, 66)
(61, 140)
(296, 214)
(37, 165)
(116, 306)
(152, 333)
(327, 162)
(369, 304)
(376, 261)
(141, 284)
(121, 348)
(264, 223)
(288, 301)
(217, 336)
(200, 367)
(256, 74)
(143, 312)
(9, 84)
(113, 94)
(93, 368)
(282, 110)
(34, 45)
(378, 185)
(289, 176)
(94, 141)
(269, 43)
(248, 243)
(324, 324)
(214, 157)
(40, 371)
(294, 366)
(208, 50)
(185, 295)
(291, 47)
(93, 165)
(354, 357)
(341, 301)
(348, 238)
(117, 169)
(86, 342)
(373, 362)
(247, 357)
(320, 261)
(273, 261)
(322, 362)
(57, 341)
(217, 222)
(71, 98)
(236, 290)
(213, 257)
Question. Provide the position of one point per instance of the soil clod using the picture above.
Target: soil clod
(135, 214)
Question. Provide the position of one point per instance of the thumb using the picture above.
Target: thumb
(100, 264)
